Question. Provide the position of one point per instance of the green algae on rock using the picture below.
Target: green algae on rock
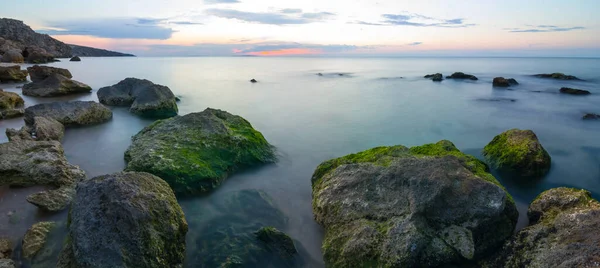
(518, 151)
(429, 205)
(11, 105)
(195, 152)
(564, 231)
(35, 238)
(126, 219)
(277, 241)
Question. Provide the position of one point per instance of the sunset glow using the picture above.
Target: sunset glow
(285, 52)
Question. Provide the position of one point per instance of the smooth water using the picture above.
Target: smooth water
(311, 118)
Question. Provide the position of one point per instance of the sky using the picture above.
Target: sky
(528, 28)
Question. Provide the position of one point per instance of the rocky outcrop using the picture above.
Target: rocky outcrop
(195, 152)
(519, 152)
(563, 231)
(125, 219)
(39, 73)
(277, 241)
(424, 206)
(11, 105)
(559, 76)
(29, 163)
(503, 82)
(7, 263)
(70, 113)
(55, 85)
(82, 51)
(460, 75)
(43, 129)
(590, 116)
(144, 98)
(6, 248)
(438, 77)
(22, 36)
(12, 74)
(12, 56)
(35, 238)
(38, 55)
(573, 91)
(76, 58)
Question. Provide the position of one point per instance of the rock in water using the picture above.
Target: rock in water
(70, 113)
(6, 248)
(460, 75)
(502, 82)
(195, 152)
(518, 151)
(6, 263)
(125, 219)
(43, 129)
(11, 105)
(35, 238)
(573, 91)
(12, 74)
(39, 73)
(76, 58)
(55, 85)
(13, 56)
(144, 97)
(564, 231)
(426, 206)
(590, 116)
(559, 76)
(277, 241)
(438, 77)
(29, 163)
(254, 80)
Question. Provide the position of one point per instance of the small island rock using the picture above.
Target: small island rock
(590, 116)
(11, 105)
(12, 74)
(574, 91)
(503, 82)
(144, 98)
(559, 76)
(461, 75)
(70, 113)
(76, 58)
(435, 77)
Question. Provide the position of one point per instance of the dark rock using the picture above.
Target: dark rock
(497, 99)
(320, 74)
(502, 82)
(518, 151)
(6, 263)
(460, 75)
(35, 238)
(76, 58)
(277, 241)
(30, 163)
(253, 80)
(70, 113)
(12, 74)
(12, 56)
(55, 85)
(43, 129)
(11, 105)
(573, 91)
(37, 55)
(590, 116)
(559, 76)
(435, 77)
(512, 81)
(145, 98)
(125, 219)
(6, 248)
(196, 152)
(425, 206)
(563, 232)
(39, 73)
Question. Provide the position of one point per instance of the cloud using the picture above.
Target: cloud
(242, 49)
(291, 10)
(417, 20)
(286, 46)
(274, 18)
(213, 2)
(415, 43)
(543, 29)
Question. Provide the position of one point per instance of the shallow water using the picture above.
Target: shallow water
(311, 118)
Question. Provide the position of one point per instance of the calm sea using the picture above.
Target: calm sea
(311, 118)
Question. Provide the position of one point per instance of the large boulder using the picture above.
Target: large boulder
(145, 98)
(11, 105)
(31, 163)
(519, 152)
(503, 82)
(438, 77)
(12, 56)
(277, 242)
(37, 55)
(574, 91)
(563, 231)
(55, 85)
(194, 153)
(43, 129)
(559, 76)
(12, 74)
(424, 206)
(39, 73)
(125, 219)
(461, 75)
(70, 113)
(35, 238)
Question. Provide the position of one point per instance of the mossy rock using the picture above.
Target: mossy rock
(277, 241)
(518, 151)
(194, 153)
(424, 206)
(11, 105)
(12, 74)
(35, 238)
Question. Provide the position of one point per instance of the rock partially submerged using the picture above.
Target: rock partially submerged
(12, 74)
(12, 56)
(461, 75)
(76, 58)
(30, 163)
(435, 77)
(503, 82)
(423, 206)
(194, 153)
(7, 263)
(6, 248)
(35, 238)
(574, 91)
(590, 116)
(39, 73)
(125, 219)
(145, 98)
(70, 113)
(518, 151)
(43, 129)
(564, 231)
(277, 242)
(253, 80)
(559, 76)
(11, 105)
(55, 85)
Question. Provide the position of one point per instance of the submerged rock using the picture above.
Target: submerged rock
(423, 206)
(194, 153)
(6, 248)
(6, 263)
(43, 129)
(564, 231)
(39, 73)
(11, 105)
(70, 113)
(35, 238)
(144, 97)
(573, 91)
(591, 116)
(559, 76)
(518, 151)
(125, 219)
(503, 82)
(460, 75)
(435, 77)
(13, 56)
(12, 74)
(277, 241)
(55, 85)
(29, 163)
(76, 58)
